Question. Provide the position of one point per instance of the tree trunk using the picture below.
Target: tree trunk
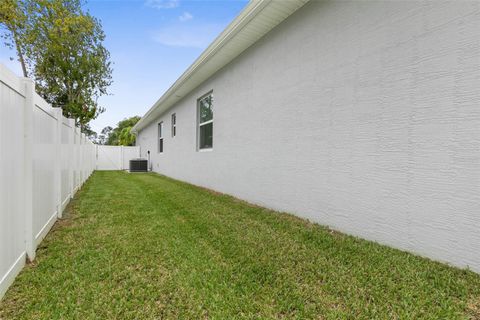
(19, 53)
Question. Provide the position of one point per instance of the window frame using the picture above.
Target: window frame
(174, 125)
(200, 124)
(160, 140)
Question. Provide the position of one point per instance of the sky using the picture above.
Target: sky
(151, 42)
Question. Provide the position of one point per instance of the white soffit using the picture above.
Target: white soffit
(256, 20)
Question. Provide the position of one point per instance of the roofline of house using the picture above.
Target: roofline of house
(265, 14)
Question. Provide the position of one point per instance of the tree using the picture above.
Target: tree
(103, 136)
(90, 133)
(121, 135)
(13, 20)
(64, 53)
(126, 138)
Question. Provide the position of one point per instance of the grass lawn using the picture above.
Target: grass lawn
(142, 246)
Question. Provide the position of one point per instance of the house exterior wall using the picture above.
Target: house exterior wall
(363, 116)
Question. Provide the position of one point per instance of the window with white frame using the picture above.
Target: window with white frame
(205, 122)
(160, 137)
(174, 125)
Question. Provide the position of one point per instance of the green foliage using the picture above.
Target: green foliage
(10, 13)
(64, 53)
(126, 138)
(13, 21)
(143, 246)
(120, 135)
(103, 136)
(90, 133)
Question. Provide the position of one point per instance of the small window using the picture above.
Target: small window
(205, 122)
(160, 137)
(174, 125)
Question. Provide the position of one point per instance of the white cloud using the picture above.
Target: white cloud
(185, 16)
(187, 35)
(162, 4)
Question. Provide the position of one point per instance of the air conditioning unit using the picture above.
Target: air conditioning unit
(138, 165)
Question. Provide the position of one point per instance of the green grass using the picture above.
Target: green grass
(142, 246)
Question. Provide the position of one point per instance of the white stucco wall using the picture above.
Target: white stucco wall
(363, 116)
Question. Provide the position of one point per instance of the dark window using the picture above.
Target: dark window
(174, 125)
(206, 136)
(160, 137)
(205, 122)
(206, 109)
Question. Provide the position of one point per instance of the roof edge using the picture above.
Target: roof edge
(251, 11)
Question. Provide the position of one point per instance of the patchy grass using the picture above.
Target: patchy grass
(142, 246)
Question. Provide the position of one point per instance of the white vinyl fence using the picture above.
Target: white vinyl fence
(44, 160)
(115, 157)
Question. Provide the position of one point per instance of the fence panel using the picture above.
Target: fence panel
(129, 153)
(12, 218)
(66, 160)
(44, 159)
(76, 159)
(109, 158)
(115, 157)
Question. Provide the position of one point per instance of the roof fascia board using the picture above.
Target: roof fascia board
(252, 10)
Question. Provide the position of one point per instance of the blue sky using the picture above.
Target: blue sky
(151, 43)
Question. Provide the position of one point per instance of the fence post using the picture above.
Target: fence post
(84, 151)
(80, 158)
(75, 158)
(96, 157)
(28, 168)
(79, 163)
(71, 158)
(58, 162)
(122, 158)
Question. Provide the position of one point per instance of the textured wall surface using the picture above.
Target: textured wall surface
(363, 116)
